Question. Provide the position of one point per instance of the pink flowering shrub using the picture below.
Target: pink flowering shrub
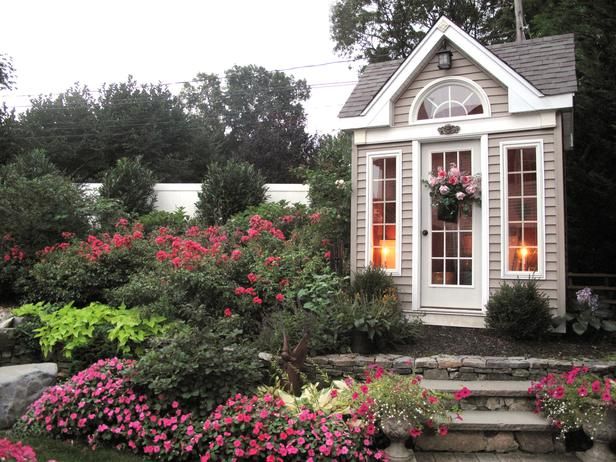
(574, 398)
(100, 406)
(16, 452)
(262, 429)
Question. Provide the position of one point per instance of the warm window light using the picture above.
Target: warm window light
(388, 253)
(524, 252)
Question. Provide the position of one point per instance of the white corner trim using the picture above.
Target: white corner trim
(416, 242)
(522, 95)
(538, 145)
(370, 156)
(443, 81)
(485, 223)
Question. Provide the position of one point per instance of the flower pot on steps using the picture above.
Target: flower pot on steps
(397, 431)
(601, 436)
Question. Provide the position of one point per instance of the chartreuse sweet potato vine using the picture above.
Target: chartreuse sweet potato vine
(71, 327)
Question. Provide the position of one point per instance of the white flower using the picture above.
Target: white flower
(443, 190)
(460, 195)
(340, 184)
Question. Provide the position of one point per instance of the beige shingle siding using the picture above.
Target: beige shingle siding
(360, 219)
(554, 210)
(461, 67)
(548, 63)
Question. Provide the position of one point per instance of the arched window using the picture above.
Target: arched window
(450, 99)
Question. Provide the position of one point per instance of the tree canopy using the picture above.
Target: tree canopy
(252, 114)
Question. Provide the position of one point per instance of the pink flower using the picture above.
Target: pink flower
(228, 312)
(442, 430)
(443, 190)
(279, 298)
(415, 432)
(582, 391)
(460, 195)
(327, 255)
(257, 301)
(462, 394)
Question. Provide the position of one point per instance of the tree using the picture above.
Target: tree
(266, 121)
(590, 177)
(8, 142)
(7, 72)
(380, 30)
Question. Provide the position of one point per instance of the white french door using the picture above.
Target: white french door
(450, 250)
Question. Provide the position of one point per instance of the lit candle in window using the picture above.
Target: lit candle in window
(388, 253)
(524, 252)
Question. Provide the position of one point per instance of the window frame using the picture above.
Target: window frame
(541, 251)
(370, 158)
(443, 82)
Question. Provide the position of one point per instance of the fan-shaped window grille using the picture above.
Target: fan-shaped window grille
(450, 100)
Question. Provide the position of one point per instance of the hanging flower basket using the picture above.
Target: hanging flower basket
(448, 213)
(453, 192)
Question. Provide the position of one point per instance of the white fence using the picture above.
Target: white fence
(170, 196)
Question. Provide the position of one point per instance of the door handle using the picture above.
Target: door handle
(424, 232)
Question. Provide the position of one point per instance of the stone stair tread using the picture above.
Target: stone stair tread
(499, 421)
(487, 457)
(500, 388)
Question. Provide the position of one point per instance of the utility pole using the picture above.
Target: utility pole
(520, 36)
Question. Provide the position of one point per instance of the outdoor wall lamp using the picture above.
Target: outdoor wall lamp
(444, 57)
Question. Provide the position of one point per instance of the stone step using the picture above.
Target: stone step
(489, 388)
(495, 395)
(494, 432)
(500, 421)
(486, 457)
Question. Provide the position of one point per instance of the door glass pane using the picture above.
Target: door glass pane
(452, 242)
(466, 244)
(466, 272)
(437, 271)
(529, 159)
(437, 245)
(451, 272)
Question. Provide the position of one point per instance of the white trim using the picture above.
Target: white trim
(441, 82)
(485, 222)
(473, 128)
(370, 157)
(541, 254)
(522, 96)
(416, 243)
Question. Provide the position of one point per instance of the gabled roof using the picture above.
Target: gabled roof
(547, 63)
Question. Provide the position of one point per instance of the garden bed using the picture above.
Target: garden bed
(435, 340)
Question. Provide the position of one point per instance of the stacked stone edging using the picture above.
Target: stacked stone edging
(448, 367)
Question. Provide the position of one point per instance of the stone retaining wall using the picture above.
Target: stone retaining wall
(453, 367)
(9, 352)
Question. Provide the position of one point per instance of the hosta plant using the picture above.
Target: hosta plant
(574, 398)
(587, 312)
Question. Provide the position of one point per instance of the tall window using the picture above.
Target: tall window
(450, 100)
(523, 225)
(384, 210)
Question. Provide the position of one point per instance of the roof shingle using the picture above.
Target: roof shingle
(548, 63)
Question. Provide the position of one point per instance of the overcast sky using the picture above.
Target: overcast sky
(56, 43)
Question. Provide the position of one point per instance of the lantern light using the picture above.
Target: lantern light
(444, 57)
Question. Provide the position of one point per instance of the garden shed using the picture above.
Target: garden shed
(490, 124)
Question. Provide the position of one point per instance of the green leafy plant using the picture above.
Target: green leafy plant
(587, 312)
(176, 221)
(69, 327)
(319, 290)
(519, 310)
(200, 368)
(228, 189)
(37, 204)
(371, 283)
(131, 183)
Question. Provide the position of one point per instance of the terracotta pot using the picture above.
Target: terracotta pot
(397, 431)
(601, 436)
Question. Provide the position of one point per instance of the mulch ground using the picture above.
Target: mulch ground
(483, 342)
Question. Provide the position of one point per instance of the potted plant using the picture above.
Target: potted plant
(579, 399)
(453, 191)
(406, 409)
